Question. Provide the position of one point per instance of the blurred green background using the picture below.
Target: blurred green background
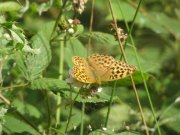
(33, 103)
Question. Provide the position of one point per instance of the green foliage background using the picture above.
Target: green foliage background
(35, 59)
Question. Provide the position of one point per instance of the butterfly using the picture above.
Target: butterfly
(98, 68)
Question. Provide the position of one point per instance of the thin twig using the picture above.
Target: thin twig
(70, 111)
(4, 99)
(82, 119)
(48, 110)
(110, 104)
(139, 65)
(132, 81)
(13, 86)
(58, 18)
(92, 16)
(90, 27)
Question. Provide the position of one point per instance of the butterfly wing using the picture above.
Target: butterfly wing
(100, 63)
(81, 71)
(118, 70)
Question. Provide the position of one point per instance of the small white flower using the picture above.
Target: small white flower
(7, 36)
(89, 97)
(89, 127)
(177, 100)
(3, 112)
(104, 128)
(99, 89)
(71, 30)
(75, 127)
(70, 21)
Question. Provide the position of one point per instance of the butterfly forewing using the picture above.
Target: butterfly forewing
(81, 71)
(100, 63)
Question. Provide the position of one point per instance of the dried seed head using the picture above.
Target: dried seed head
(79, 5)
(119, 34)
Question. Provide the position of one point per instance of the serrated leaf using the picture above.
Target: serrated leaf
(61, 86)
(101, 37)
(15, 125)
(49, 84)
(32, 64)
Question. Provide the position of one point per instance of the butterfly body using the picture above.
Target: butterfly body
(98, 68)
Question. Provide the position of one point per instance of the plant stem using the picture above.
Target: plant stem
(139, 65)
(48, 111)
(90, 27)
(82, 119)
(70, 111)
(132, 80)
(146, 88)
(7, 101)
(61, 67)
(14, 86)
(110, 104)
(58, 18)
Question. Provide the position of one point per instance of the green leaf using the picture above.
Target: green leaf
(159, 23)
(153, 24)
(177, 11)
(49, 84)
(130, 133)
(124, 6)
(74, 47)
(34, 62)
(12, 38)
(171, 24)
(118, 115)
(26, 109)
(61, 86)
(75, 120)
(101, 37)
(79, 30)
(171, 118)
(14, 125)
(9, 6)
